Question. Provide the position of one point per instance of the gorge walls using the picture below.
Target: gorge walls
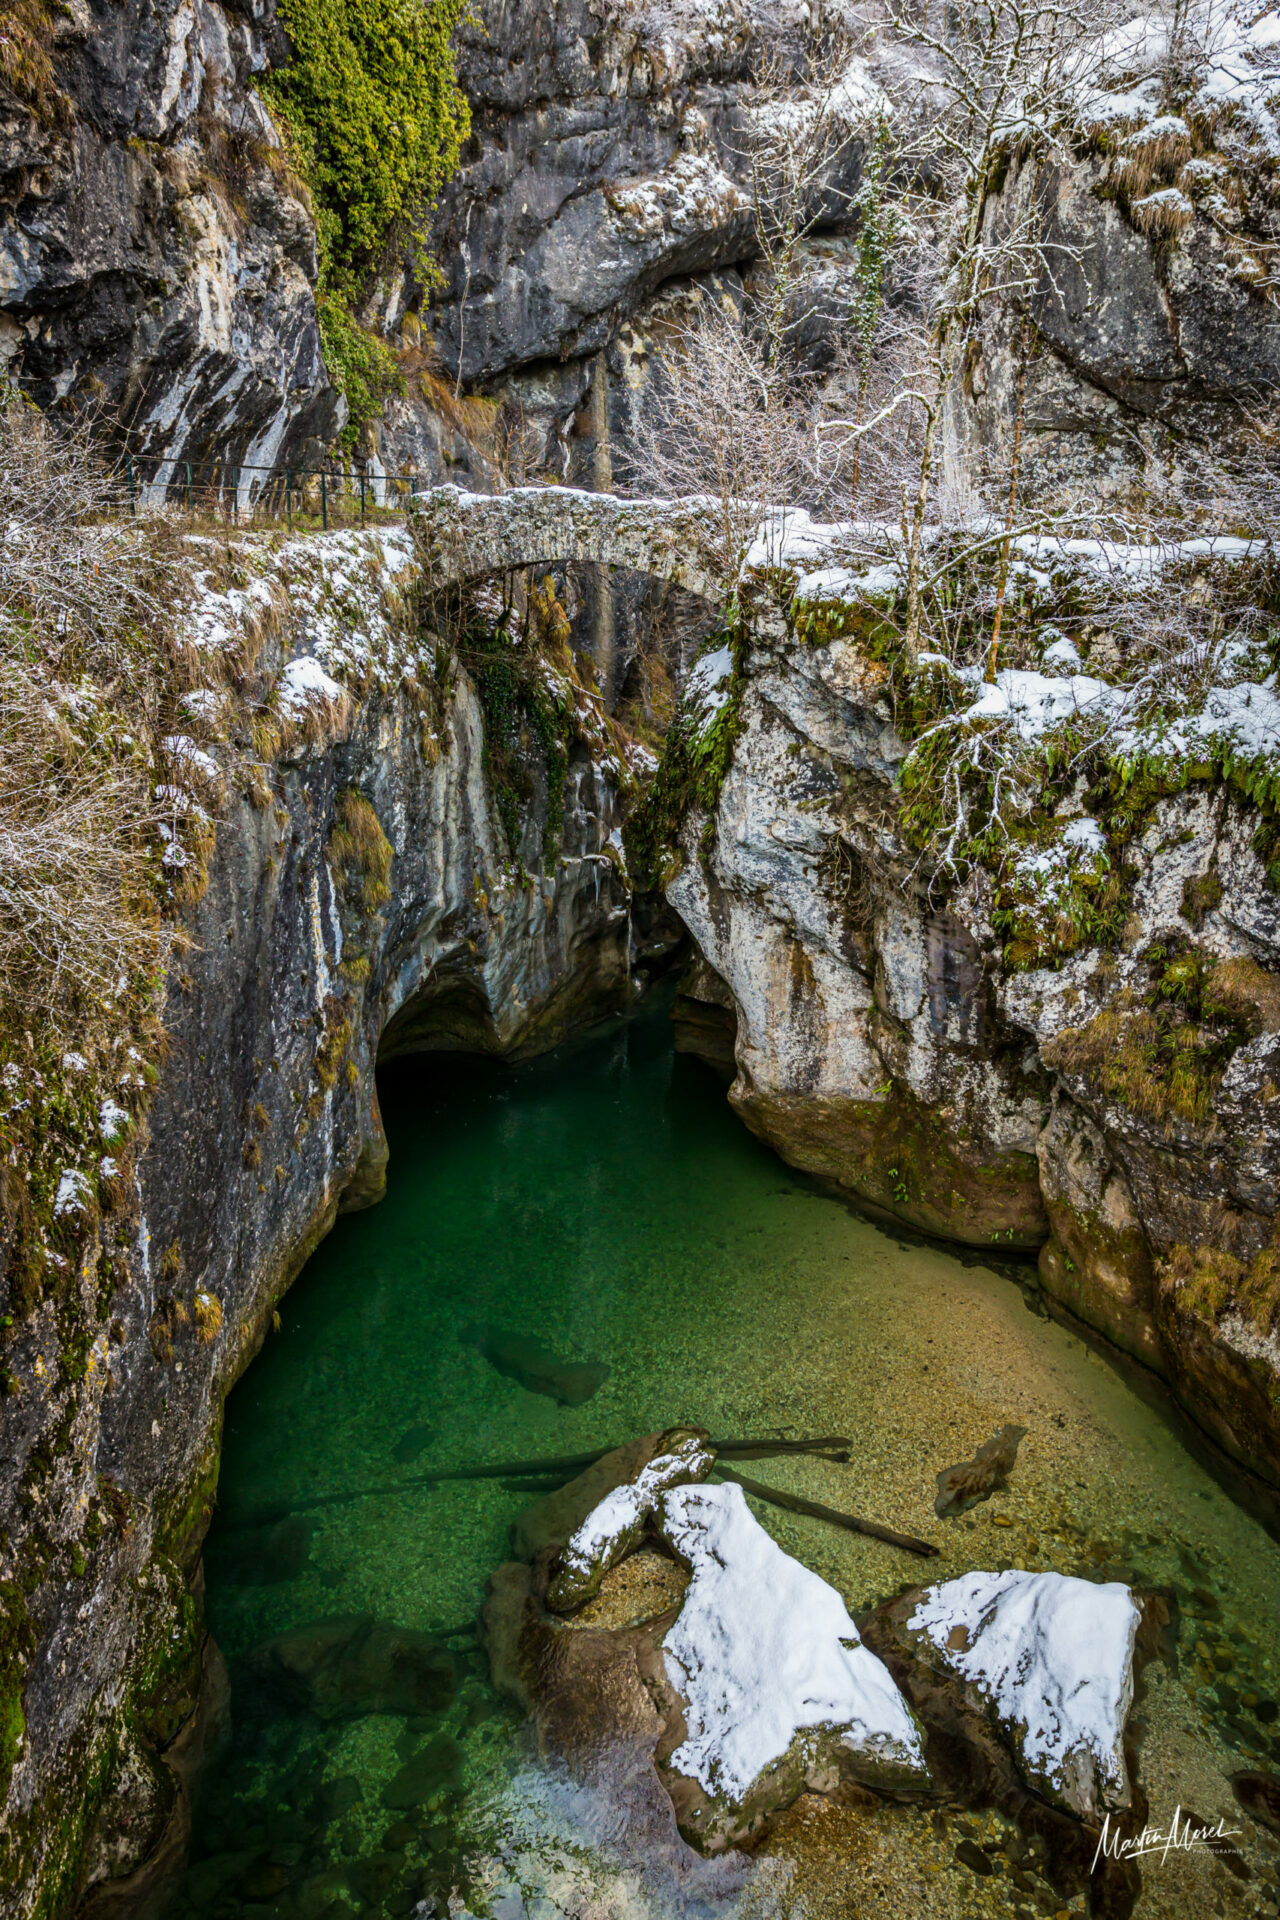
(355, 888)
(1113, 1110)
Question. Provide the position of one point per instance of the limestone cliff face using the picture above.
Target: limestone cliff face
(306, 951)
(608, 156)
(870, 1047)
(1154, 324)
(881, 1043)
(156, 258)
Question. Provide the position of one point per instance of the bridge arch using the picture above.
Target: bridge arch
(463, 536)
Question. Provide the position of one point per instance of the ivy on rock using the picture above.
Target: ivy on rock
(374, 120)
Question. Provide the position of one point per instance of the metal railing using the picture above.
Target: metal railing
(245, 494)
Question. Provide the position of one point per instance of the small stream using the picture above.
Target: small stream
(606, 1203)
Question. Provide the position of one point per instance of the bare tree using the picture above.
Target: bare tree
(1000, 78)
(813, 111)
(729, 422)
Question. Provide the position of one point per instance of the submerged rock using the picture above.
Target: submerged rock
(534, 1366)
(1052, 1660)
(436, 1769)
(776, 1691)
(412, 1442)
(351, 1664)
(971, 1481)
(261, 1556)
(1259, 1795)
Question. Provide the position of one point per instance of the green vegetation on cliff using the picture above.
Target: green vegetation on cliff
(374, 120)
(696, 756)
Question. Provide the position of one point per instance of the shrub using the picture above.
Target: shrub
(362, 367)
(375, 119)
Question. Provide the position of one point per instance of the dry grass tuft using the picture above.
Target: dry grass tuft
(1247, 992)
(1210, 1282)
(85, 657)
(1155, 1069)
(1163, 215)
(26, 70)
(1151, 153)
(208, 1315)
(359, 851)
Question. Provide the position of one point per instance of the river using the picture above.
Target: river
(606, 1203)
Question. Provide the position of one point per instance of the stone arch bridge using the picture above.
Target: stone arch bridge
(463, 536)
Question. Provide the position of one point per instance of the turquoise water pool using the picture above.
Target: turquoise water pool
(606, 1206)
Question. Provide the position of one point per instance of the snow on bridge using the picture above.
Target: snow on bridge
(464, 536)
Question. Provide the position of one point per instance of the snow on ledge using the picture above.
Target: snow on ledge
(763, 1649)
(304, 684)
(1053, 1655)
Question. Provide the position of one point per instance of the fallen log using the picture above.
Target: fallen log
(511, 1472)
(796, 1503)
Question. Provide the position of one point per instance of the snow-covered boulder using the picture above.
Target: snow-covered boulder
(1052, 1660)
(613, 1528)
(776, 1691)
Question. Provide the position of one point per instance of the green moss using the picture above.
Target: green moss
(362, 367)
(1163, 1058)
(26, 70)
(17, 1645)
(521, 714)
(1201, 895)
(166, 1681)
(1208, 1281)
(359, 852)
(335, 1040)
(376, 121)
(689, 776)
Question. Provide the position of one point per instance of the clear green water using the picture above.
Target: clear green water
(608, 1203)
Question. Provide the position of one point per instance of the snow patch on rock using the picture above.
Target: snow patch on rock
(764, 1649)
(613, 1526)
(1054, 1658)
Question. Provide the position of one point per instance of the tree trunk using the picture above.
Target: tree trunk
(1006, 544)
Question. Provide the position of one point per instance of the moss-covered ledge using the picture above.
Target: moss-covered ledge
(902, 1161)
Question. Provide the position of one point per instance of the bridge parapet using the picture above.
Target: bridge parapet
(463, 536)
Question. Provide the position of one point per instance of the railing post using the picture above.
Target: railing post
(288, 498)
(362, 497)
(129, 482)
(324, 502)
(187, 464)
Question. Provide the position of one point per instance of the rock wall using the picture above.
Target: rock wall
(881, 1042)
(157, 258)
(300, 956)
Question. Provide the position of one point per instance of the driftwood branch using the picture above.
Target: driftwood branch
(795, 1503)
(513, 1473)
